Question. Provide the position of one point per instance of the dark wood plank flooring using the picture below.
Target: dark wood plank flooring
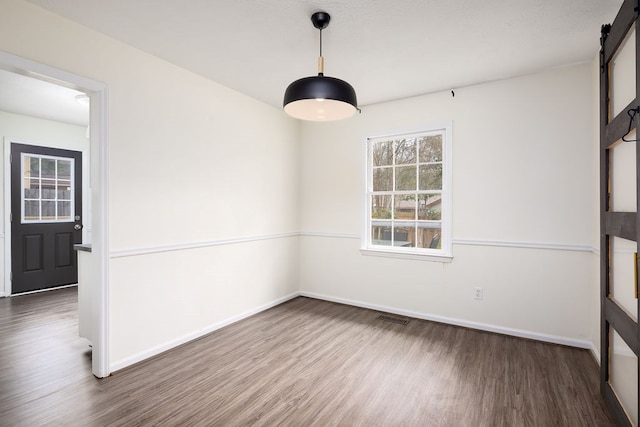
(305, 362)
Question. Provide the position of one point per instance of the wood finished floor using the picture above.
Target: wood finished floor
(305, 362)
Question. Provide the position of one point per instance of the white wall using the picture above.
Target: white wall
(522, 176)
(29, 130)
(203, 189)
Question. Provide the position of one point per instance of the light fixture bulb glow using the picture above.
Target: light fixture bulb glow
(310, 109)
(82, 99)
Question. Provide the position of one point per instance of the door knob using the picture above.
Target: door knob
(77, 227)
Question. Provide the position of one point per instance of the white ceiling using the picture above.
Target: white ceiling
(31, 97)
(386, 49)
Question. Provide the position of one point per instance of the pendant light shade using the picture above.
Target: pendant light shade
(320, 98)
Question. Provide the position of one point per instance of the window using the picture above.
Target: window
(408, 194)
(47, 188)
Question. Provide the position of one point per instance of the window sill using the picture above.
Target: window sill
(406, 255)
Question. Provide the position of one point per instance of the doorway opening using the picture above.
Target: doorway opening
(97, 172)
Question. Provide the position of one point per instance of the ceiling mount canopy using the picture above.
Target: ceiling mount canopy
(320, 98)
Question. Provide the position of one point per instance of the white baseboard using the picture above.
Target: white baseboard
(595, 353)
(571, 342)
(121, 364)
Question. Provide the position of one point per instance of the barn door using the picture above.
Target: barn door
(619, 231)
(46, 209)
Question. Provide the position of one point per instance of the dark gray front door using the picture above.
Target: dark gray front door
(46, 214)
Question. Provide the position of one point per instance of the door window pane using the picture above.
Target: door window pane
(64, 169)
(64, 190)
(622, 71)
(48, 168)
(622, 286)
(47, 188)
(623, 375)
(31, 188)
(33, 167)
(48, 210)
(64, 210)
(32, 210)
(622, 161)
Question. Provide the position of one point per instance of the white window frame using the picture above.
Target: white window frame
(23, 176)
(444, 253)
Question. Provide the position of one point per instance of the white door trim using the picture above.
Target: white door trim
(99, 170)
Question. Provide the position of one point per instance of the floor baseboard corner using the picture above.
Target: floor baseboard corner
(154, 351)
(554, 339)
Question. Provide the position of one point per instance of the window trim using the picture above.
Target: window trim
(23, 199)
(445, 253)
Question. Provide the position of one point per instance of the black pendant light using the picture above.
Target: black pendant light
(320, 98)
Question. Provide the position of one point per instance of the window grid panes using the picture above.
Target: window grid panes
(47, 188)
(405, 192)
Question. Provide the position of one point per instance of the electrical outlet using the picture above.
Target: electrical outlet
(478, 293)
